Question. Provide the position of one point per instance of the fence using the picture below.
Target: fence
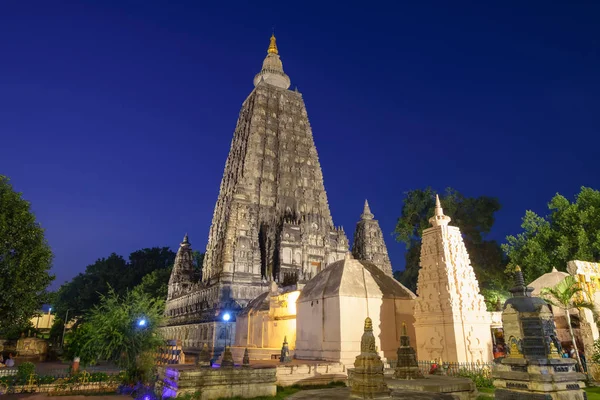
(457, 368)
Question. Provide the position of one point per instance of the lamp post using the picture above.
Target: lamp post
(49, 309)
(226, 318)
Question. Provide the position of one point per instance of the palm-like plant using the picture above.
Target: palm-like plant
(566, 295)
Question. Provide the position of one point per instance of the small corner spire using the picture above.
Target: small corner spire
(185, 239)
(273, 45)
(438, 206)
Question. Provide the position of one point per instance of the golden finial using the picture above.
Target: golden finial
(272, 46)
(404, 329)
(368, 325)
(517, 269)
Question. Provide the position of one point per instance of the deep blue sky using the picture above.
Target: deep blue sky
(116, 116)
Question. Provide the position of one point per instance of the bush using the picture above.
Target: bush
(24, 371)
(479, 378)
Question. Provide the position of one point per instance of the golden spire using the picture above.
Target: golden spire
(368, 325)
(272, 46)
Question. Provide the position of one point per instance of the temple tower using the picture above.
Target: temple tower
(182, 274)
(368, 241)
(451, 320)
(272, 219)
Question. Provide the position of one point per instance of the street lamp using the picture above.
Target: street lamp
(226, 318)
(142, 322)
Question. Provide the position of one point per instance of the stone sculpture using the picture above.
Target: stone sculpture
(246, 358)
(285, 351)
(227, 361)
(407, 366)
(533, 368)
(367, 379)
(204, 357)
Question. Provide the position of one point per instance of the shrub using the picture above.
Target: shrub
(24, 371)
(481, 379)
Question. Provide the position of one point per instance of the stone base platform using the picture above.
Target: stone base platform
(256, 353)
(344, 393)
(214, 383)
(456, 388)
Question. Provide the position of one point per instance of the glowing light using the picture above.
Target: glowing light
(226, 317)
(142, 322)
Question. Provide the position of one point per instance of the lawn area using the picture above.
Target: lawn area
(593, 393)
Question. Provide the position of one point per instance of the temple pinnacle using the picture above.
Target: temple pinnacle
(367, 214)
(368, 325)
(185, 239)
(438, 206)
(404, 329)
(439, 219)
(272, 46)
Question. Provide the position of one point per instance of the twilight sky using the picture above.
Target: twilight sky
(116, 116)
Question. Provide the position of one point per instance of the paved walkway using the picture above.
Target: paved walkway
(344, 393)
(44, 396)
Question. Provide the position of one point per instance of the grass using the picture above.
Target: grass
(593, 393)
(284, 392)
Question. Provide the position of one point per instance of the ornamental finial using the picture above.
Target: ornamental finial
(368, 325)
(272, 46)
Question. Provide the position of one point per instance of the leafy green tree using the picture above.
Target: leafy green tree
(25, 259)
(156, 283)
(564, 295)
(475, 218)
(112, 331)
(85, 290)
(571, 231)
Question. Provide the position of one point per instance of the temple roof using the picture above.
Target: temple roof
(547, 280)
(260, 303)
(353, 278)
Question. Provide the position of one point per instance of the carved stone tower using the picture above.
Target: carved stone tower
(451, 320)
(368, 242)
(272, 219)
(182, 275)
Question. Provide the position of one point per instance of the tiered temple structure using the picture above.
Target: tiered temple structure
(533, 368)
(451, 320)
(407, 366)
(368, 242)
(271, 221)
(367, 379)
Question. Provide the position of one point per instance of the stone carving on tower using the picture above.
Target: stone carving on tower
(271, 221)
(451, 320)
(368, 242)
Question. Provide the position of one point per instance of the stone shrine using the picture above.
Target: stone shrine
(533, 368)
(345, 291)
(451, 320)
(407, 366)
(367, 379)
(271, 220)
(368, 243)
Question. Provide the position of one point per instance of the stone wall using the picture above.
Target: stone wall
(215, 383)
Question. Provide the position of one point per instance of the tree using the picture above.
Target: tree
(565, 295)
(25, 259)
(156, 283)
(570, 232)
(475, 218)
(85, 290)
(122, 329)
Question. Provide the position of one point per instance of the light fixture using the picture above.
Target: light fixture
(226, 317)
